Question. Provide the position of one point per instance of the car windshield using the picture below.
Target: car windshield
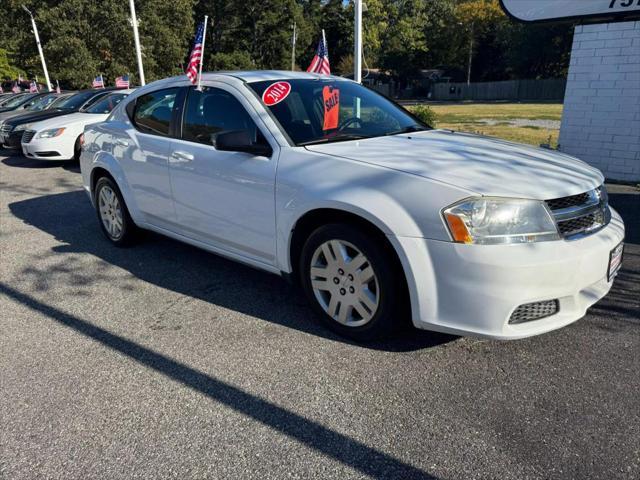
(75, 101)
(60, 99)
(314, 111)
(106, 104)
(40, 103)
(14, 102)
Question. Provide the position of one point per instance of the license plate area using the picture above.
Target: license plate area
(615, 261)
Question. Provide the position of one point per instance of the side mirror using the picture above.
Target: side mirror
(240, 141)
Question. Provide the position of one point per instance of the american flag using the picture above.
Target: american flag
(196, 55)
(122, 82)
(16, 88)
(320, 62)
(98, 82)
(33, 87)
(57, 87)
(1, 89)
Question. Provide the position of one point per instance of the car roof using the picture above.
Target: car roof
(251, 76)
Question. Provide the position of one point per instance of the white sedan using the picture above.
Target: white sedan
(325, 182)
(59, 138)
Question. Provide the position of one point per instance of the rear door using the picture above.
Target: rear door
(222, 198)
(144, 152)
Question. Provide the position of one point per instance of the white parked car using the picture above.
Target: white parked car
(59, 138)
(326, 182)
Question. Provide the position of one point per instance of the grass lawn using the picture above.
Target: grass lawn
(468, 117)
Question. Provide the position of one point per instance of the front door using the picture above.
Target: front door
(225, 199)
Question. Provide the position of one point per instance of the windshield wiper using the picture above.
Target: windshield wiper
(343, 137)
(410, 129)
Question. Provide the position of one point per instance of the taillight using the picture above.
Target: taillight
(81, 141)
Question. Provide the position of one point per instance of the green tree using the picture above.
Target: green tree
(7, 71)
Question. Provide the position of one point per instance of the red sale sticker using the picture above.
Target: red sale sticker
(331, 100)
(275, 93)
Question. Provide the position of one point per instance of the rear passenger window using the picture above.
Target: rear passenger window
(213, 111)
(154, 110)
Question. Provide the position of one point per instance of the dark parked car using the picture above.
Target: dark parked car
(36, 104)
(11, 129)
(17, 101)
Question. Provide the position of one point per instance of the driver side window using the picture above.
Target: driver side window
(213, 111)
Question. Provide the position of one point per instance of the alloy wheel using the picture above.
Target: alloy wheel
(344, 283)
(110, 212)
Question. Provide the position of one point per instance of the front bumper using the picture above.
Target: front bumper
(57, 148)
(474, 289)
(12, 140)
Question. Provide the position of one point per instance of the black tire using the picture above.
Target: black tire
(387, 316)
(129, 230)
(76, 150)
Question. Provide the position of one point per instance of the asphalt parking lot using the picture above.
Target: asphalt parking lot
(163, 361)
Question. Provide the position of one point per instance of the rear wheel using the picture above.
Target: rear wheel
(351, 282)
(112, 212)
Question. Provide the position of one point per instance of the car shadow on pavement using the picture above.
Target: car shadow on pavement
(337, 446)
(190, 271)
(18, 161)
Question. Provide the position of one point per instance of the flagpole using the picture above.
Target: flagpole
(324, 40)
(136, 38)
(357, 47)
(293, 48)
(204, 38)
(35, 32)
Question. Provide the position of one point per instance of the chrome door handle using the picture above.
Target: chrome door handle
(121, 143)
(181, 157)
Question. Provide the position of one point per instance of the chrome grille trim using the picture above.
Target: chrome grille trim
(28, 135)
(582, 214)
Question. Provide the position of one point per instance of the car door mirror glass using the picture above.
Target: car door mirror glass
(240, 141)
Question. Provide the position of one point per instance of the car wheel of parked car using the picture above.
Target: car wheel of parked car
(77, 149)
(351, 282)
(113, 215)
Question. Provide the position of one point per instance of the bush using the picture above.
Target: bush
(425, 114)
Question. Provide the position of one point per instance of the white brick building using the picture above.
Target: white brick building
(601, 121)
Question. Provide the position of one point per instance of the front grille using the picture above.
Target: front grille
(48, 154)
(28, 135)
(566, 202)
(580, 214)
(534, 311)
(581, 224)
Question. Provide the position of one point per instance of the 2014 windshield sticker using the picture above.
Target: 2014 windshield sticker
(331, 99)
(275, 93)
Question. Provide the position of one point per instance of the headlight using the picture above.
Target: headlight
(54, 132)
(491, 221)
(24, 126)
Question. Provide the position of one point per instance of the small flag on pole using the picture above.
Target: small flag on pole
(16, 88)
(1, 89)
(57, 87)
(122, 82)
(195, 60)
(98, 82)
(320, 62)
(33, 87)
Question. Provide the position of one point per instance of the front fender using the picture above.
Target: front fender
(398, 203)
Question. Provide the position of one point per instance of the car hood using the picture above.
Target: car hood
(37, 116)
(482, 165)
(77, 118)
(11, 113)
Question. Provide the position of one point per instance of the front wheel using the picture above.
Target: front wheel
(351, 282)
(115, 221)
